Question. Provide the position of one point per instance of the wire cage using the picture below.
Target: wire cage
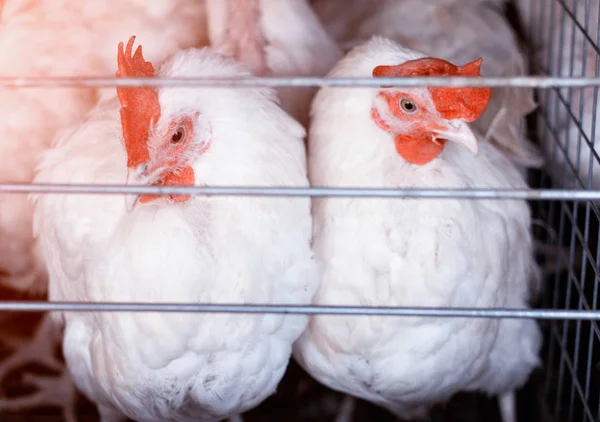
(562, 39)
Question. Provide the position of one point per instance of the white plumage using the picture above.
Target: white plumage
(275, 38)
(204, 250)
(62, 38)
(408, 252)
(302, 47)
(454, 30)
(65, 38)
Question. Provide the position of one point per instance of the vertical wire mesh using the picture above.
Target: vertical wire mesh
(564, 39)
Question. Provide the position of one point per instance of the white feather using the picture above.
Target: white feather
(287, 38)
(65, 38)
(458, 31)
(410, 252)
(181, 367)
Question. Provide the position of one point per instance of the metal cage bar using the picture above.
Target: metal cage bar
(564, 38)
(568, 131)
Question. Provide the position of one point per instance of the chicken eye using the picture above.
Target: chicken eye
(178, 135)
(408, 106)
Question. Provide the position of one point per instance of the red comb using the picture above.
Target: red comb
(139, 106)
(452, 103)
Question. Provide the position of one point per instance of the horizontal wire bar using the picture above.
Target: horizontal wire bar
(546, 314)
(531, 194)
(579, 126)
(568, 161)
(252, 82)
(587, 253)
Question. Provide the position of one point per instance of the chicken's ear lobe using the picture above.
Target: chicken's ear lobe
(139, 106)
(471, 69)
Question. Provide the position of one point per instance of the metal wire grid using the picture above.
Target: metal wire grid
(564, 207)
(566, 125)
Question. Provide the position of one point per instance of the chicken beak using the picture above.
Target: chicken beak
(135, 176)
(458, 132)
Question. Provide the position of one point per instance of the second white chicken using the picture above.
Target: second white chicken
(415, 252)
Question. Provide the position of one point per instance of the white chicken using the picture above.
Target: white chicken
(179, 249)
(451, 30)
(410, 252)
(275, 38)
(62, 38)
(65, 38)
(285, 36)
